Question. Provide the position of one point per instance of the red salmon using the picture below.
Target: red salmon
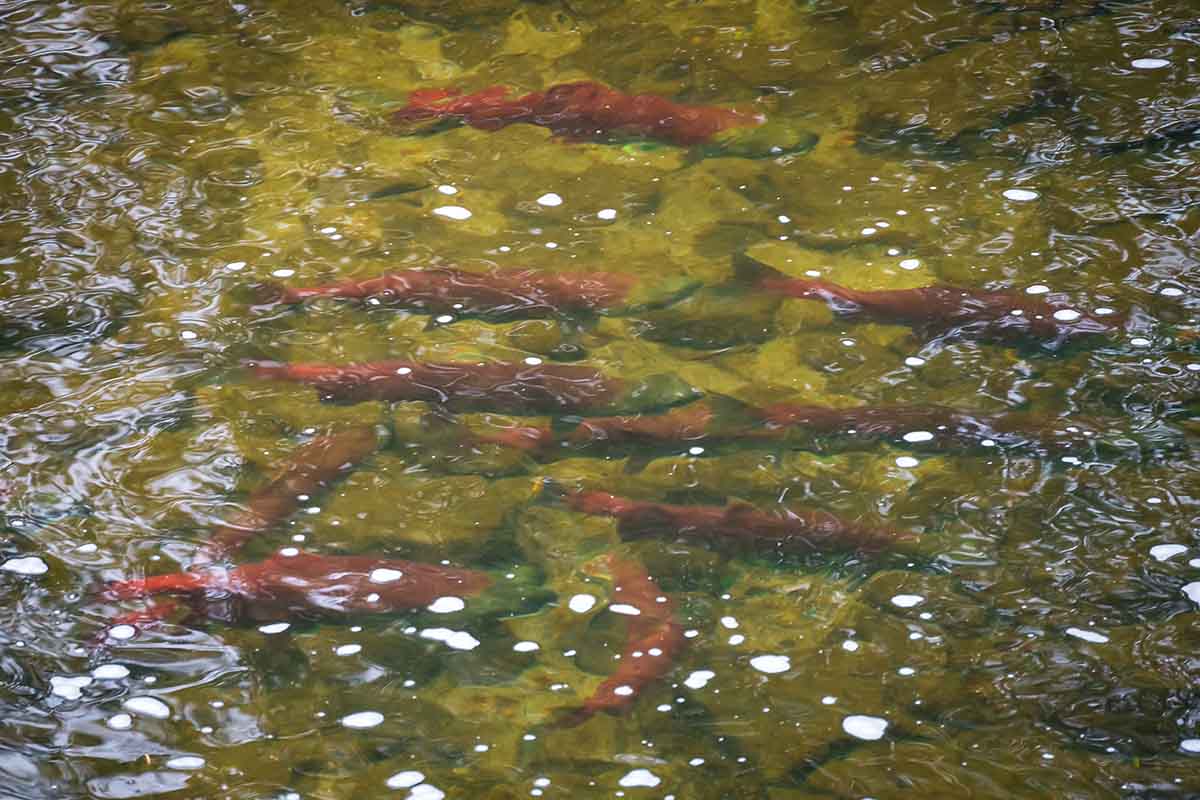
(309, 585)
(578, 111)
(309, 471)
(721, 420)
(516, 388)
(502, 293)
(938, 309)
(652, 642)
(787, 529)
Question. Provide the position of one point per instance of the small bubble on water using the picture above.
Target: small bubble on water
(771, 664)
(405, 780)
(447, 605)
(640, 778)
(384, 575)
(120, 722)
(1087, 636)
(148, 707)
(1149, 63)
(362, 719)
(122, 632)
(110, 672)
(861, 726)
(29, 565)
(1021, 195)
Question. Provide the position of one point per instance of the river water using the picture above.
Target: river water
(164, 164)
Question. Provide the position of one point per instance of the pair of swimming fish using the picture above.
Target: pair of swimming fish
(336, 587)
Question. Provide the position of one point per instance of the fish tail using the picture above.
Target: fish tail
(758, 275)
(748, 269)
(261, 293)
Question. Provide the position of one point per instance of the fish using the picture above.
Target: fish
(511, 292)
(679, 426)
(580, 111)
(653, 641)
(516, 388)
(718, 420)
(291, 584)
(787, 529)
(1003, 314)
(310, 470)
(500, 293)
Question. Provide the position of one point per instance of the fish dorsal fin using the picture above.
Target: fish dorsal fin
(750, 270)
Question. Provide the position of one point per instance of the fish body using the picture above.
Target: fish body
(305, 584)
(718, 421)
(516, 388)
(580, 111)
(500, 293)
(788, 529)
(310, 470)
(994, 314)
(653, 641)
(1004, 315)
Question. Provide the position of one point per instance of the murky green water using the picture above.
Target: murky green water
(159, 161)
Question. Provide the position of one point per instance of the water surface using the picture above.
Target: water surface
(159, 160)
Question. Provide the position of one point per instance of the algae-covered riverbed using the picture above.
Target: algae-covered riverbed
(842, 541)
